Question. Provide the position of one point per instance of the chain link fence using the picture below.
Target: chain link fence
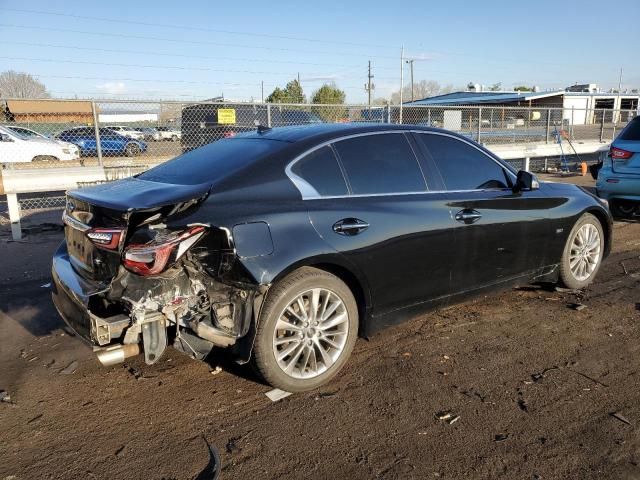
(49, 133)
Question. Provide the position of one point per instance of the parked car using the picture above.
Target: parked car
(111, 143)
(14, 147)
(618, 179)
(168, 133)
(127, 131)
(28, 133)
(149, 134)
(283, 245)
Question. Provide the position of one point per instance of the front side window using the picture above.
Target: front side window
(380, 163)
(462, 166)
(320, 169)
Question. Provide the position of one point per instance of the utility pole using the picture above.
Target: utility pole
(369, 86)
(410, 62)
(401, 80)
(619, 93)
(262, 90)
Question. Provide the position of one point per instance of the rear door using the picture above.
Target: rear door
(381, 216)
(626, 149)
(499, 234)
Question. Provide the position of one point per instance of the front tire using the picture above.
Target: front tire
(132, 150)
(582, 255)
(306, 330)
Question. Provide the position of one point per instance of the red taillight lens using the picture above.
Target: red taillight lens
(107, 238)
(153, 257)
(619, 154)
(229, 134)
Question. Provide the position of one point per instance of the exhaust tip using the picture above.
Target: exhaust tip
(117, 354)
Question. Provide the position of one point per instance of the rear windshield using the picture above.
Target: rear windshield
(632, 132)
(212, 162)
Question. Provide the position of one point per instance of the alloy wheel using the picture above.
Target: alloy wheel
(585, 252)
(311, 333)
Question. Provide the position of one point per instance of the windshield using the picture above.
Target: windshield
(212, 162)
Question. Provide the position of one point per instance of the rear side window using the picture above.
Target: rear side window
(382, 163)
(462, 166)
(320, 169)
(632, 132)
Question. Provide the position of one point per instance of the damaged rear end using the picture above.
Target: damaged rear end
(132, 277)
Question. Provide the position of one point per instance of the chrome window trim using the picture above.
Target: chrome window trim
(309, 193)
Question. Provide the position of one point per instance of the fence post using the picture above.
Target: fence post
(388, 112)
(479, 123)
(602, 128)
(571, 129)
(548, 125)
(96, 128)
(527, 163)
(268, 115)
(14, 215)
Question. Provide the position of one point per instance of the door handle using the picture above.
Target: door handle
(350, 226)
(468, 216)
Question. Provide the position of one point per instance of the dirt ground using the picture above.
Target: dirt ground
(538, 390)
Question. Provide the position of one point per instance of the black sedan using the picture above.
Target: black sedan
(283, 245)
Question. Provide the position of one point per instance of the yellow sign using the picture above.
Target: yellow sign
(226, 115)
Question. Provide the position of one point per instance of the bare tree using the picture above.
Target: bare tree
(21, 85)
(421, 89)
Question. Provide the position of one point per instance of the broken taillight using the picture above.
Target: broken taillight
(107, 238)
(153, 257)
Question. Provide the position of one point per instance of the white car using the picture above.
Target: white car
(168, 133)
(28, 133)
(127, 131)
(17, 148)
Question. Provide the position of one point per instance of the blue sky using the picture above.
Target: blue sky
(201, 49)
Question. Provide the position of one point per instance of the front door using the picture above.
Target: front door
(499, 235)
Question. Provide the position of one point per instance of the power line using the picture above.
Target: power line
(192, 27)
(191, 42)
(179, 55)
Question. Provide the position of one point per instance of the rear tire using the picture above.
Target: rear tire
(299, 347)
(623, 208)
(582, 255)
(132, 150)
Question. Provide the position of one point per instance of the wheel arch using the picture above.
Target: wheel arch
(607, 227)
(345, 272)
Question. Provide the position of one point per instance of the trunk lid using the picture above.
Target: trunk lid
(119, 207)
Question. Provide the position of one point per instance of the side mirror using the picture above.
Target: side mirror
(526, 181)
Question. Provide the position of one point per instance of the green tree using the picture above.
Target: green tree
(292, 93)
(329, 94)
(496, 87)
(523, 88)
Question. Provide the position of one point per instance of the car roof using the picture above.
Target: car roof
(326, 131)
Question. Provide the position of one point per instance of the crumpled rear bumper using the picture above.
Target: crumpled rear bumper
(71, 294)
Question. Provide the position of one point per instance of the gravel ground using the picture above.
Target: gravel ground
(533, 387)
